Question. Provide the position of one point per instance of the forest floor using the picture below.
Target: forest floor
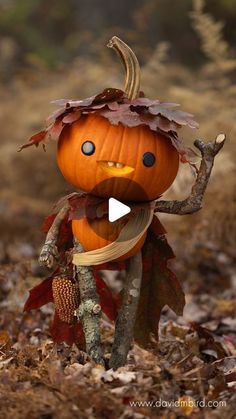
(194, 361)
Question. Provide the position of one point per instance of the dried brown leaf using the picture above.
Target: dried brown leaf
(161, 117)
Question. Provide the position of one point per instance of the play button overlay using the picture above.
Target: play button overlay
(109, 206)
(117, 210)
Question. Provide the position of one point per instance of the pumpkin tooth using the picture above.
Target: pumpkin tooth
(119, 165)
(111, 163)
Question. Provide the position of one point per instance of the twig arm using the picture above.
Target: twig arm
(194, 202)
(126, 318)
(49, 252)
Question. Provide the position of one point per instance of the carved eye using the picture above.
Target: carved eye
(88, 148)
(149, 159)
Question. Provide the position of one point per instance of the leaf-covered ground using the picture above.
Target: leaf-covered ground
(194, 361)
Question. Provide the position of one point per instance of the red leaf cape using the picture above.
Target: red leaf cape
(160, 286)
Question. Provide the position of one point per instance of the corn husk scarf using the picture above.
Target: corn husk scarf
(127, 239)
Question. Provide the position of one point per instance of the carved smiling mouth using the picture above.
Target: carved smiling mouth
(115, 168)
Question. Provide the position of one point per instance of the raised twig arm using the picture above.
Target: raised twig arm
(49, 251)
(194, 202)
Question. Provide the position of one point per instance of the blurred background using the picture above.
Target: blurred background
(57, 49)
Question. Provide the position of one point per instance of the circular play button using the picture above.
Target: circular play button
(112, 221)
(106, 215)
(116, 209)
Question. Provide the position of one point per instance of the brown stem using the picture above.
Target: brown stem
(194, 202)
(131, 64)
(126, 318)
(89, 311)
(54, 229)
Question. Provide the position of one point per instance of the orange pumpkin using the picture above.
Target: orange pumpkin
(99, 233)
(95, 156)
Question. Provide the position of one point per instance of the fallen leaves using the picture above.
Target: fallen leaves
(186, 405)
(57, 381)
(5, 341)
(195, 358)
(121, 374)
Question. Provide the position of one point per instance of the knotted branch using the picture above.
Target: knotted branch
(194, 202)
(49, 252)
(126, 318)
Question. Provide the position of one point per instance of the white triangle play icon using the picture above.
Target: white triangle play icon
(116, 209)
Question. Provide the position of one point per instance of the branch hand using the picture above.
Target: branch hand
(49, 255)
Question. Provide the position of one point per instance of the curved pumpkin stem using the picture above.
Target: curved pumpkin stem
(131, 64)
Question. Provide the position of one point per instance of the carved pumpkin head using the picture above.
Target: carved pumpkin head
(97, 157)
(118, 143)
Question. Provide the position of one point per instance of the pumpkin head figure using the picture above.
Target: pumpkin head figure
(117, 136)
(123, 145)
(117, 144)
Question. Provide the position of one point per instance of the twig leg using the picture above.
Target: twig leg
(126, 317)
(89, 311)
